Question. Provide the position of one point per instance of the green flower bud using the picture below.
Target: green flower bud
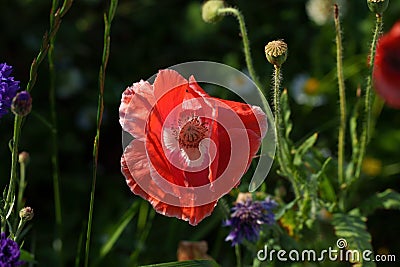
(276, 52)
(210, 11)
(26, 214)
(23, 157)
(378, 6)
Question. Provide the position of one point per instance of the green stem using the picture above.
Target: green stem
(246, 49)
(19, 229)
(366, 130)
(133, 258)
(42, 120)
(342, 98)
(283, 154)
(10, 199)
(246, 44)
(100, 109)
(21, 189)
(238, 256)
(53, 133)
(368, 94)
(278, 130)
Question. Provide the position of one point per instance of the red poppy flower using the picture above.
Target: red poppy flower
(387, 67)
(189, 148)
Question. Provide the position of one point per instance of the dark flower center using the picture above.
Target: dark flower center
(192, 133)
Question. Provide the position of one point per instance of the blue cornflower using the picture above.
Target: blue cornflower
(247, 218)
(8, 88)
(21, 104)
(9, 252)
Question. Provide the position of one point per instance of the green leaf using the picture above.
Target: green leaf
(353, 229)
(118, 228)
(326, 189)
(325, 186)
(355, 143)
(285, 109)
(281, 211)
(27, 256)
(388, 199)
(193, 263)
(303, 148)
(317, 176)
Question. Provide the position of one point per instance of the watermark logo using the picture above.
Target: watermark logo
(340, 253)
(187, 138)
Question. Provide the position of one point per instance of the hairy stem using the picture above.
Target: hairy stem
(342, 98)
(368, 100)
(283, 154)
(277, 114)
(246, 44)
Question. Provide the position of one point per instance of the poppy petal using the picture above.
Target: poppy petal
(169, 90)
(135, 167)
(167, 120)
(386, 72)
(253, 117)
(136, 103)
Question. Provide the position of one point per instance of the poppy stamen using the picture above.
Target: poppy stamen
(192, 133)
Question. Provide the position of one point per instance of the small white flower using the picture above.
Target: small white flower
(321, 11)
(305, 91)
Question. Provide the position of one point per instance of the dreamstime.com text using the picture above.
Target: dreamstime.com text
(332, 254)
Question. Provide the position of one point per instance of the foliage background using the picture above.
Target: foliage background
(146, 36)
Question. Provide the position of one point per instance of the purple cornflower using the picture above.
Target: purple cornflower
(9, 252)
(247, 218)
(8, 88)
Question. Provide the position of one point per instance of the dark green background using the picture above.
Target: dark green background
(146, 36)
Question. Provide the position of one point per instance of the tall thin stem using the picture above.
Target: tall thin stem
(368, 93)
(281, 147)
(283, 154)
(277, 113)
(246, 44)
(10, 199)
(100, 109)
(238, 256)
(366, 130)
(246, 49)
(22, 185)
(342, 97)
(53, 133)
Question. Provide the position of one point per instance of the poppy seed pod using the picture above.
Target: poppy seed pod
(378, 6)
(276, 52)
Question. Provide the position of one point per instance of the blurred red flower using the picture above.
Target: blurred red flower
(386, 72)
(185, 143)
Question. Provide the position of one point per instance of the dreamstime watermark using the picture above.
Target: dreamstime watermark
(340, 253)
